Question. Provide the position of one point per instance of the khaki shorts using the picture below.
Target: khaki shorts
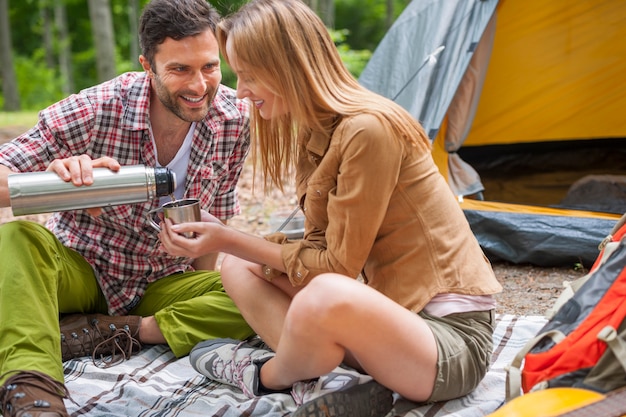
(464, 345)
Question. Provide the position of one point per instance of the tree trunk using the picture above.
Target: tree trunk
(390, 12)
(65, 48)
(133, 16)
(47, 35)
(327, 12)
(104, 39)
(9, 80)
(313, 4)
(325, 9)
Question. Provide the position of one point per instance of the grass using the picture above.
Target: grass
(20, 118)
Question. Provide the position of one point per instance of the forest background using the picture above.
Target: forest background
(52, 48)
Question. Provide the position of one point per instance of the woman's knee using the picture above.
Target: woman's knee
(228, 268)
(326, 297)
(236, 274)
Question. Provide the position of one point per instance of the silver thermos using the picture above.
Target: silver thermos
(46, 192)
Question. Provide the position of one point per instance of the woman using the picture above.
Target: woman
(420, 318)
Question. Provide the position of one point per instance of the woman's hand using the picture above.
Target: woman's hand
(213, 236)
(206, 240)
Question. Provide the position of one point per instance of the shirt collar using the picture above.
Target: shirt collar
(137, 108)
(319, 141)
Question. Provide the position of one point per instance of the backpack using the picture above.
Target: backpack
(583, 343)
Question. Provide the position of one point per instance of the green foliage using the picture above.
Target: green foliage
(38, 85)
(354, 60)
(226, 7)
(365, 20)
(228, 76)
(84, 69)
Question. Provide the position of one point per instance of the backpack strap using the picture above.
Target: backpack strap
(514, 370)
(570, 287)
(616, 228)
(617, 345)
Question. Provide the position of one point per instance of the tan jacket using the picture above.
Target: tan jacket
(373, 207)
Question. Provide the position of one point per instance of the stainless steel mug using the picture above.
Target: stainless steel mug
(178, 211)
(45, 192)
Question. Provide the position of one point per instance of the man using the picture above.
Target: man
(102, 270)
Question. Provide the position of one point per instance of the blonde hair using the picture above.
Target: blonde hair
(287, 48)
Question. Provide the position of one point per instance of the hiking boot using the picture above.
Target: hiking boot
(231, 362)
(342, 392)
(33, 394)
(107, 339)
(364, 400)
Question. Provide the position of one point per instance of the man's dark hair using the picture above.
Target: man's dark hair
(174, 19)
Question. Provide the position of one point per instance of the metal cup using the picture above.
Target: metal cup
(178, 211)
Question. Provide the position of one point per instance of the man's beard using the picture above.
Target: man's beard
(169, 100)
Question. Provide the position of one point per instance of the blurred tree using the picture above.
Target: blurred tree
(361, 25)
(325, 9)
(47, 32)
(9, 81)
(354, 60)
(104, 39)
(133, 30)
(65, 48)
(226, 7)
(390, 15)
(367, 20)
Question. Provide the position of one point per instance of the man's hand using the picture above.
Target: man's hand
(79, 170)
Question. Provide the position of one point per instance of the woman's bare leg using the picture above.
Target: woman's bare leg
(333, 315)
(262, 303)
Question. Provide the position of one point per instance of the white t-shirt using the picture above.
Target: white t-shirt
(178, 164)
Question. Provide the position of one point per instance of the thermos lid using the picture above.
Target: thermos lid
(165, 181)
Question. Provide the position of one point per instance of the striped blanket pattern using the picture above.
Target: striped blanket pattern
(156, 384)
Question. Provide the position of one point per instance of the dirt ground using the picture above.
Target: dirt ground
(528, 290)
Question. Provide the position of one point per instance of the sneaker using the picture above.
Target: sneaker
(344, 393)
(32, 394)
(231, 362)
(107, 339)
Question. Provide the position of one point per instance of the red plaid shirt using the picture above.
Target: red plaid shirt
(111, 119)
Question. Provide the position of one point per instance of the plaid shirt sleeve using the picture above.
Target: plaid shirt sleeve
(63, 130)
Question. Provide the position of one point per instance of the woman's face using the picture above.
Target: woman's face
(268, 103)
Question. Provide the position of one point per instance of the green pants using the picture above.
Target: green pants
(40, 278)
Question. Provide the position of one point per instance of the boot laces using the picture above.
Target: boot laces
(233, 369)
(105, 351)
(10, 394)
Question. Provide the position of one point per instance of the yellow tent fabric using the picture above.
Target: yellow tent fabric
(470, 204)
(557, 72)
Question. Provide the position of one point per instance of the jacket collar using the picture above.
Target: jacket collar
(319, 141)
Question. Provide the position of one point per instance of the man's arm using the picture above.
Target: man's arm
(4, 188)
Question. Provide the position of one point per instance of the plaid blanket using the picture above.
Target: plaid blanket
(156, 384)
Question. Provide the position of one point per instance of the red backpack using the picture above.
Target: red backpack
(583, 344)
